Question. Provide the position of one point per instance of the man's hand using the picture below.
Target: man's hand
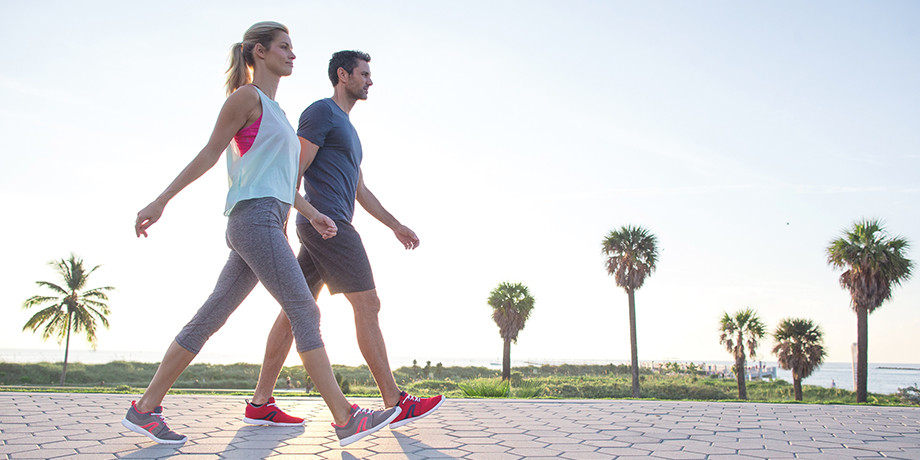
(146, 217)
(406, 236)
(324, 225)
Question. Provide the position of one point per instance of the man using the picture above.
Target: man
(333, 181)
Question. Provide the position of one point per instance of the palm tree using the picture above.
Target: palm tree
(740, 334)
(72, 307)
(511, 306)
(873, 263)
(631, 256)
(799, 348)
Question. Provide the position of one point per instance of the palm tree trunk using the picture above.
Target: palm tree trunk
(862, 353)
(66, 348)
(506, 360)
(739, 376)
(797, 385)
(633, 347)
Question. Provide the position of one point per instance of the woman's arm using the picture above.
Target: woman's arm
(321, 222)
(237, 110)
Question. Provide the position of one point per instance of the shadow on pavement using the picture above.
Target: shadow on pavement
(248, 442)
(155, 451)
(259, 441)
(411, 446)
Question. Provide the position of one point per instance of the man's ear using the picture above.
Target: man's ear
(343, 75)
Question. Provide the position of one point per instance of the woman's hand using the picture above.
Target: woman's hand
(147, 216)
(324, 225)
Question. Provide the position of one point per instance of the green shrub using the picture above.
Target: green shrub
(909, 395)
(427, 388)
(485, 388)
(528, 389)
(343, 384)
(565, 381)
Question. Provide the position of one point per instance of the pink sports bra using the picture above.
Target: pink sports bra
(246, 136)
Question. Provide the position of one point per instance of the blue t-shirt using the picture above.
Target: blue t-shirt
(331, 181)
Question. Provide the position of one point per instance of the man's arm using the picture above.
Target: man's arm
(307, 155)
(372, 205)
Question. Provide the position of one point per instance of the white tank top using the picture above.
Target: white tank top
(269, 167)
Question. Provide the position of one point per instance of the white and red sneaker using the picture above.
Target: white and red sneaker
(414, 408)
(269, 414)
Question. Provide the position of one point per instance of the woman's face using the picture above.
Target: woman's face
(279, 58)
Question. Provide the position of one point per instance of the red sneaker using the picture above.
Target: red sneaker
(414, 408)
(269, 414)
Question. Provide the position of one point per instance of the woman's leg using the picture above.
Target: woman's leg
(316, 362)
(236, 281)
(174, 363)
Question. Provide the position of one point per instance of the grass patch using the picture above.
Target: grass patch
(554, 382)
(528, 389)
(485, 388)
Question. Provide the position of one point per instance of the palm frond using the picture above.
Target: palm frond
(97, 293)
(56, 327)
(38, 300)
(53, 287)
(41, 317)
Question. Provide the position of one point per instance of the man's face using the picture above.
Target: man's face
(359, 81)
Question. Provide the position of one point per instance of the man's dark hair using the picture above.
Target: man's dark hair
(347, 60)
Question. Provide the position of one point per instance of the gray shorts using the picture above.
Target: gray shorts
(340, 262)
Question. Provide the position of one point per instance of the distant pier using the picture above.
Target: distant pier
(753, 372)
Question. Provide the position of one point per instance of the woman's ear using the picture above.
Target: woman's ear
(258, 51)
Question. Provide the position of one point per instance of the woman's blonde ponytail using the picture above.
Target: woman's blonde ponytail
(241, 61)
(238, 72)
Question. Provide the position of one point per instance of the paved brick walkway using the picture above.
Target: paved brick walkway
(88, 426)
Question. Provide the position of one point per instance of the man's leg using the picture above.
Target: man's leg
(366, 307)
(277, 349)
(343, 264)
(280, 338)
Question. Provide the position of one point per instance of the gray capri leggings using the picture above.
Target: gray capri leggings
(258, 252)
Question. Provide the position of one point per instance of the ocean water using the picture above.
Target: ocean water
(883, 378)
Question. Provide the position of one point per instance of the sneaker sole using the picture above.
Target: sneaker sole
(346, 441)
(412, 419)
(257, 421)
(127, 424)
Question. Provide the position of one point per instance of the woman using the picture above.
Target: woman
(263, 164)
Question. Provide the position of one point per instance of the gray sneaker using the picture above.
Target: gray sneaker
(151, 424)
(364, 422)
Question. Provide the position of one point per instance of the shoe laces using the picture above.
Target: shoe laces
(360, 410)
(411, 398)
(159, 415)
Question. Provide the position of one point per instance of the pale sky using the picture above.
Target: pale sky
(511, 136)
